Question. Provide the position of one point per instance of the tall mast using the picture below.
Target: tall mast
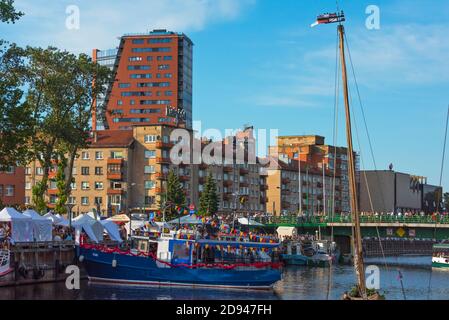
(357, 242)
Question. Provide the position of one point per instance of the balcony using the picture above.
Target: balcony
(159, 190)
(112, 191)
(52, 174)
(228, 183)
(244, 184)
(114, 175)
(163, 160)
(161, 176)
(227, 169)
(164, 145)
(115, 161)
(244, 171)
(184, 178)
(52, 192)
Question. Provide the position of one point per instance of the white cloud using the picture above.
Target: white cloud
(101, 21)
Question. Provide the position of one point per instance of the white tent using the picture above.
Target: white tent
(43, 226)
(92, 215)
(21, 226)
(286, 232)
(246, 222)
(62, 221)
(112, 229)
(92, 227)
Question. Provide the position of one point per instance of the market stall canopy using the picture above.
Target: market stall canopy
(112, 229)
(186, 220)
(43, 226)
(62, 221)
(92, 215)
(21, 226)
(119, 218)
(286, 232)
(249, 222)
(93, 228)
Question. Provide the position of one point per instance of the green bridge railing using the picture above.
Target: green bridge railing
(324, 220)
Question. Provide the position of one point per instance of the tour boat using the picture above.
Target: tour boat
(4, 263)
(169, 261)
(440, 256)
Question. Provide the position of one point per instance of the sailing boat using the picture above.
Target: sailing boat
(360, 292)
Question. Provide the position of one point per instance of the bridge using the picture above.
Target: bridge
(383, 226)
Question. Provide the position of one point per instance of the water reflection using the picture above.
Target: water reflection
(298, 283)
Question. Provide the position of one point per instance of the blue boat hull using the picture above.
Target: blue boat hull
(294, 259)
(132, 270)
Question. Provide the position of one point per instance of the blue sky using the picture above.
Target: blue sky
(259, 62)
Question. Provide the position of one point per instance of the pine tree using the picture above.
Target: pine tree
(175, 195)
(209, 197)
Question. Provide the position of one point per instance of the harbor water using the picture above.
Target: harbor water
(420, 282)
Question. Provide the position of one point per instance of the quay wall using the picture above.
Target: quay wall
(39, 262)
(372, 247)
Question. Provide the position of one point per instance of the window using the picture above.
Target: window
(71, 200)
(98, 185)
(163, 67)
(85, 155)
(53, 185)
(98, 171)
(132, 101)
(85, 185)
(139, 67)
(73, 185)
(140, 76)
(53, 199)
(9, 170)
(167, 58)
(149, 169)
(149, 58)
(9, 190)
(149, 200)
(150, 154)
(119, 102)
(116, 154)
(98, 155)
(27, 170)
(39, 171)
(149, 138)
(134, 59)
(160, 40)
(124, 85)
(115, 199)
(149, 184)
(146, 102)
(138, 50)
(27, 200)
(27, 185)
(74, 171)
(138, 41)
(168, 75)
(85, 201)
(85, 171)
(98, 200)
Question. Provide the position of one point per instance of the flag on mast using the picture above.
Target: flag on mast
(328, 18)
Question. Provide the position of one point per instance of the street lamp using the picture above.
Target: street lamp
(69, 207)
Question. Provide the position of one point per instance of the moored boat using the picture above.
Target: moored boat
(168, 261)
(440, 256)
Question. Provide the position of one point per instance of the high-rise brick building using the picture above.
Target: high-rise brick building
(153, 77)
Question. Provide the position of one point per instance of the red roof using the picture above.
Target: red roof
(112, 139)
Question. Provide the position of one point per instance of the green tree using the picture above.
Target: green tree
(61, 185)
(175, 195)
(209, 198)
(61, 93)
(7, 11)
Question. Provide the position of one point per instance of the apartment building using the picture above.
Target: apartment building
(241, 185)
(315, 154)
(153, 75)
(101, 175)
(295, 188)
(12, 186)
